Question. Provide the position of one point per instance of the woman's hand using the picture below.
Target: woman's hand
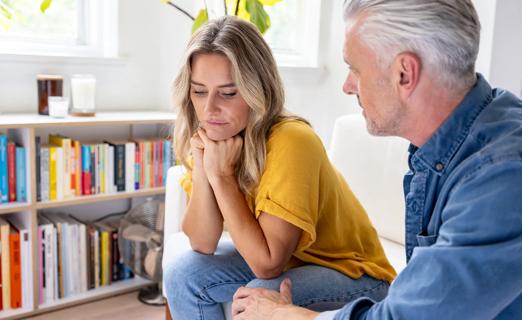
(220, 157)
(197, 148)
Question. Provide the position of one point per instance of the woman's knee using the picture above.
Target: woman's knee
(184, 271)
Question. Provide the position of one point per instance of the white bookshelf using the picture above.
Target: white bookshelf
(23, 128)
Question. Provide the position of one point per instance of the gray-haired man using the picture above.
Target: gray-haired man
(412, 66)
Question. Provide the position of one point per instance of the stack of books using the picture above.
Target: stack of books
(76, 256)
(67, 168)
(15, 267)
(13, 184)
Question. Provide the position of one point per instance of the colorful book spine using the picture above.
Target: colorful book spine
(86, 169)
(167, 159)
(11, 170)
(52, 173)
(38, 145)
(4, 188)
(21, 180)
(16, 268)
(44, 173)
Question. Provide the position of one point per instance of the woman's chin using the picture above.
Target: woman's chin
(218, 136)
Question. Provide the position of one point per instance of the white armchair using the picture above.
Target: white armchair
(373, 167)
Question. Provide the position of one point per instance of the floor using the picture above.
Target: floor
(123, 307)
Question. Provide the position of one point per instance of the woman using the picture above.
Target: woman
(265, 175)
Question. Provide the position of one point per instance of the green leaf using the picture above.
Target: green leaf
(258, 15)
(269, 2)
(5, 11)
(200, 20)
(45, 5)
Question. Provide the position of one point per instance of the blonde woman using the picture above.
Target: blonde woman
(265, 175)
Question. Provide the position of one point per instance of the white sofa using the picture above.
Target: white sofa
(373, 167)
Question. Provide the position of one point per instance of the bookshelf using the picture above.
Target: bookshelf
(23, 128)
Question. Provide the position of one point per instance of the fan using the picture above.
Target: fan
(140, 242)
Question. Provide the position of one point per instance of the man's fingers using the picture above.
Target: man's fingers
(286, 290)
(243, 292)
(238, 306)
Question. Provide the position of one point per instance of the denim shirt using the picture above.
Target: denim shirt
(463, 219)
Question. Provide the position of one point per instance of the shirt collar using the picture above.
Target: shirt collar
(440, 148)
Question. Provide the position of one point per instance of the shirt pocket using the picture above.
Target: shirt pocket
(426, 241)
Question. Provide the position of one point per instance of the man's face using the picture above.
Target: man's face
(373, 85)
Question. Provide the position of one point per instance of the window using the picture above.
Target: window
(294, 32)
(68, 28)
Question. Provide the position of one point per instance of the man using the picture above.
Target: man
(412, 69)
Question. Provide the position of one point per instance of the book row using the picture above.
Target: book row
(66, 168)
(76, 256)
(13, 184)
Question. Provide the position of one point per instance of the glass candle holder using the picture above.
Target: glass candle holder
(83, 88)
(47, 85)
(58, 106)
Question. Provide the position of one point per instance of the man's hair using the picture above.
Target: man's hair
(445, 34)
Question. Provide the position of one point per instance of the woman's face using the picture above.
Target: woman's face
(220, 109)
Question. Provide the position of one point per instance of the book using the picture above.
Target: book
(11, 170)
(66, 167)
(53, 188)
(6, 270)
(26, 258)
(119, 164)
(86, 169)
(44, 173)
(130, 156)
(77, 167)
(4, 188)
(21, 180)
(15, 266)
(37, 144)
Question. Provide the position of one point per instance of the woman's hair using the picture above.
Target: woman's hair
(255, 74)
(444, 33)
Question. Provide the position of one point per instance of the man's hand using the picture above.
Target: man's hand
(255, 303)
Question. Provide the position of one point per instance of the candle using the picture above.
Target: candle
(83, 93)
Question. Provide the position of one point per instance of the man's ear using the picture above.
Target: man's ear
(408, 69)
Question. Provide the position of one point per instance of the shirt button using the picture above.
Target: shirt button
(439, 166)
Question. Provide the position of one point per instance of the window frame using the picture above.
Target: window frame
(97, 35)
(306, 55)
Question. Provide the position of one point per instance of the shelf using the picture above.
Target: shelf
(116, 288)
(100, 198)
(15, 313)
(33, 120)
(14, 207)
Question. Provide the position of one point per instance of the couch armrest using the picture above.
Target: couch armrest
(175, 200)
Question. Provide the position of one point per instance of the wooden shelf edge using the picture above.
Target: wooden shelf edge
(89, 296)
(100, 198)
(14, 207)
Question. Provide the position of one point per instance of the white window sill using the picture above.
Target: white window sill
(37, 58)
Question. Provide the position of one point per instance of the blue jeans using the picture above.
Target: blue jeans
(197, 284)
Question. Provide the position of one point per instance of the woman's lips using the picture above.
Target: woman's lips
(216, 122)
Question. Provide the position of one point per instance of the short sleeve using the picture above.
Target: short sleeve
(290, 184)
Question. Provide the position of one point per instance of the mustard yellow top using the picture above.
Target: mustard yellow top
(301, 186)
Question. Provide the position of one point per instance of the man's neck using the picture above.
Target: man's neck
(429, 109)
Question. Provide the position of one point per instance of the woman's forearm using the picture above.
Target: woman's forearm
(245, 230)
(202, 222)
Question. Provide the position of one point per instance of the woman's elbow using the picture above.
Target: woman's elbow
(267, 271)
(202, 247)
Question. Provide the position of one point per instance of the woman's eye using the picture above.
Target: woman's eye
(229, 94)
(199, 93)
